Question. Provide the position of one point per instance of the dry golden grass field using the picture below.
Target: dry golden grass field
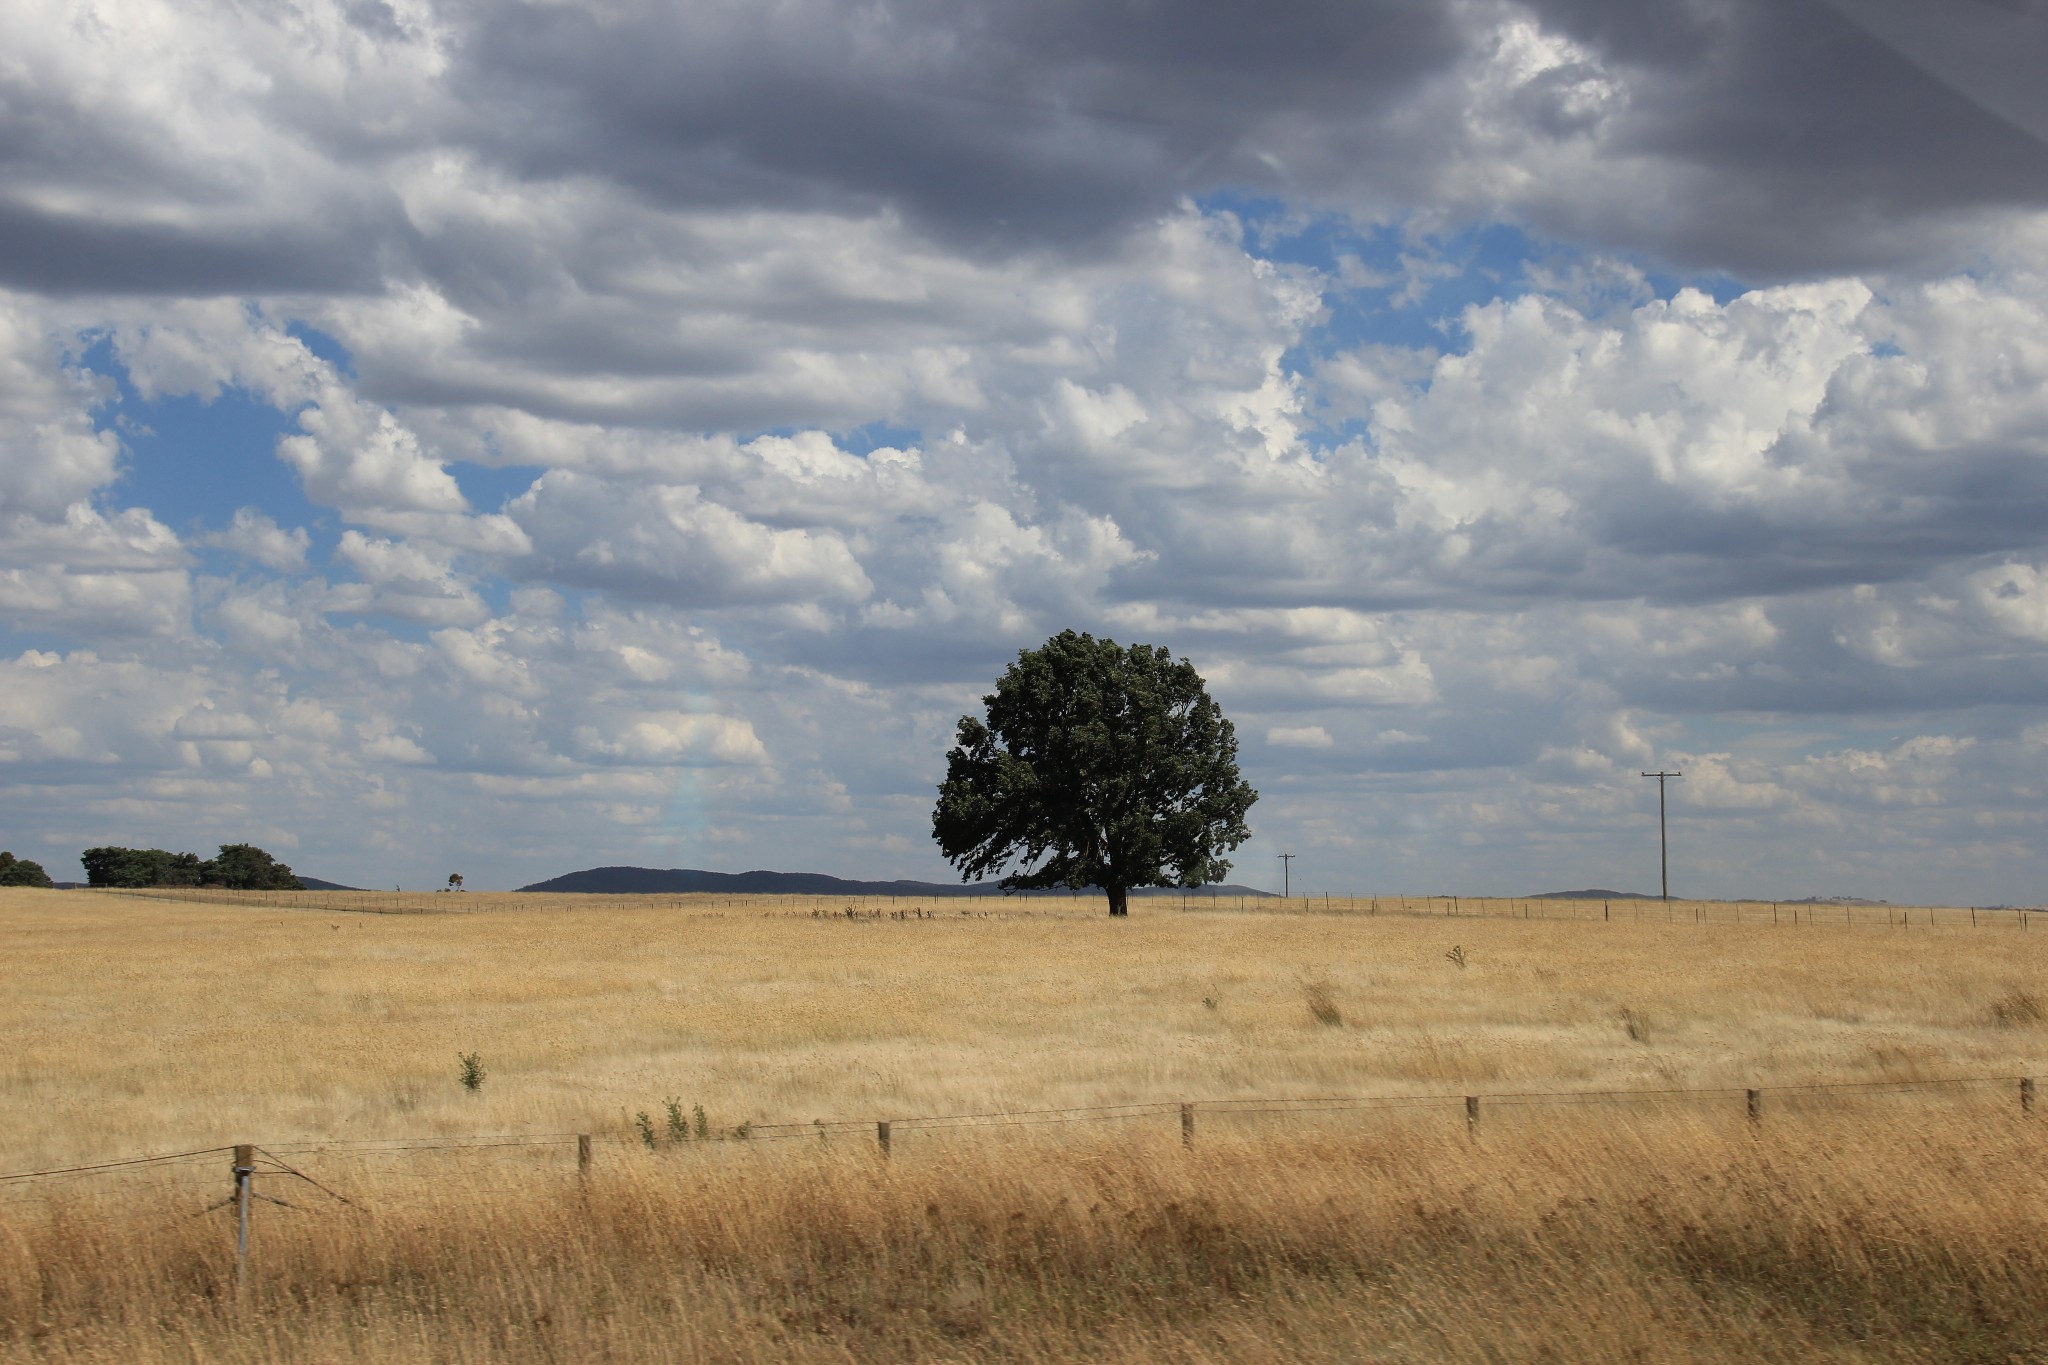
(1854, 1225)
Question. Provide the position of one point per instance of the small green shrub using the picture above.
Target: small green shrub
(472, 1070)
(646, 1127)
(703, 1124)
(678, 1126)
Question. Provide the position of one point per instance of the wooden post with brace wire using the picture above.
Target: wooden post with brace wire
(245, 1173)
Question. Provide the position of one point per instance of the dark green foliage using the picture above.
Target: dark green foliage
(245, 867)
(240, 867)
(21, 872)
(136, 867)
(1097, 766)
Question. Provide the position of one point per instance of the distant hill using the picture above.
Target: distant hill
(680, 881)
(315, 884)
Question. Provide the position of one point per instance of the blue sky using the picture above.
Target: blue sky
(1494, 401)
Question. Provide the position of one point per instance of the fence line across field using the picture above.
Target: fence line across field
(1631, 909)
(1183, 1109)
(250, 1160)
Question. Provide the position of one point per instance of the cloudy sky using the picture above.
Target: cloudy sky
(469, 435)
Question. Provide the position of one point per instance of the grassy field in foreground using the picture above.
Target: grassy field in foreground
(1899, 1228)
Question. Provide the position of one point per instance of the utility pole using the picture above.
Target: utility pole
(1286, 866)
(1663, 842)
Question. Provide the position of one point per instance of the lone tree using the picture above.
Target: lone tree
(1097, 766)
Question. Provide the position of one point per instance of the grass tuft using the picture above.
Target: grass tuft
(1321, 998)
(2018, 1009)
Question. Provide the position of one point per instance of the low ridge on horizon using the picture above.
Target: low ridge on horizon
(628, 881)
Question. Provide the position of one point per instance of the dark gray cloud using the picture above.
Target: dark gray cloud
(1765, 138)
(1798, 139)
(1005, 126)
(1770, 138)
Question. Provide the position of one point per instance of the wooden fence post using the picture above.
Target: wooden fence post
(1756, 1106)
(882, 1137)
(1187, 1125)
(245, 1170)
(2027, 1096)
(1471, 1113)
(583, 1154)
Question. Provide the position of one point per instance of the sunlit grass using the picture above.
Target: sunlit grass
(1866, 1228)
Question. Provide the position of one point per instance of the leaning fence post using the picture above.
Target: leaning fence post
(245, 1170)
(1187, 1125)
(583, 1154)
(1471, 1113)
(882, 1136)
(2027, 1096)
(1756, 1106)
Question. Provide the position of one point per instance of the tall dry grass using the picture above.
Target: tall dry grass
(140, 1025)
(1852, 1229)
(1908, 1233)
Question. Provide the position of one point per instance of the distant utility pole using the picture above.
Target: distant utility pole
(1663, 843)
(1286, 865)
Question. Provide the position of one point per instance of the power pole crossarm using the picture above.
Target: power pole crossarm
(1663, 843)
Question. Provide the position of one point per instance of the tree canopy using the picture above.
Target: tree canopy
(239, 867)
(1097, 765)
(21, 872)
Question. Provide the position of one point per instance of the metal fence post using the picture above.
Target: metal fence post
(1187, 1125)
(882, 1136)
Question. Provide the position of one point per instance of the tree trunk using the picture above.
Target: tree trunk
(1119, 902)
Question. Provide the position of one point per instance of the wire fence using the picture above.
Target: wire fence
(978, 904)
(199, 1166)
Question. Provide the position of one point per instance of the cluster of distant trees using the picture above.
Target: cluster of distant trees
(240, 867)
(21, 872)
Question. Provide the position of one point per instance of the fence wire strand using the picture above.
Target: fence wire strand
(167, 1166)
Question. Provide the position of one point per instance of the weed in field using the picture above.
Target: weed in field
(1208, 1002)
(703, 1124)
(1321, 999)
(1456, 956)
(646, 1127)
(678, 1126)
(1635, 1024)
(472, 1070)
(2018, 1009)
